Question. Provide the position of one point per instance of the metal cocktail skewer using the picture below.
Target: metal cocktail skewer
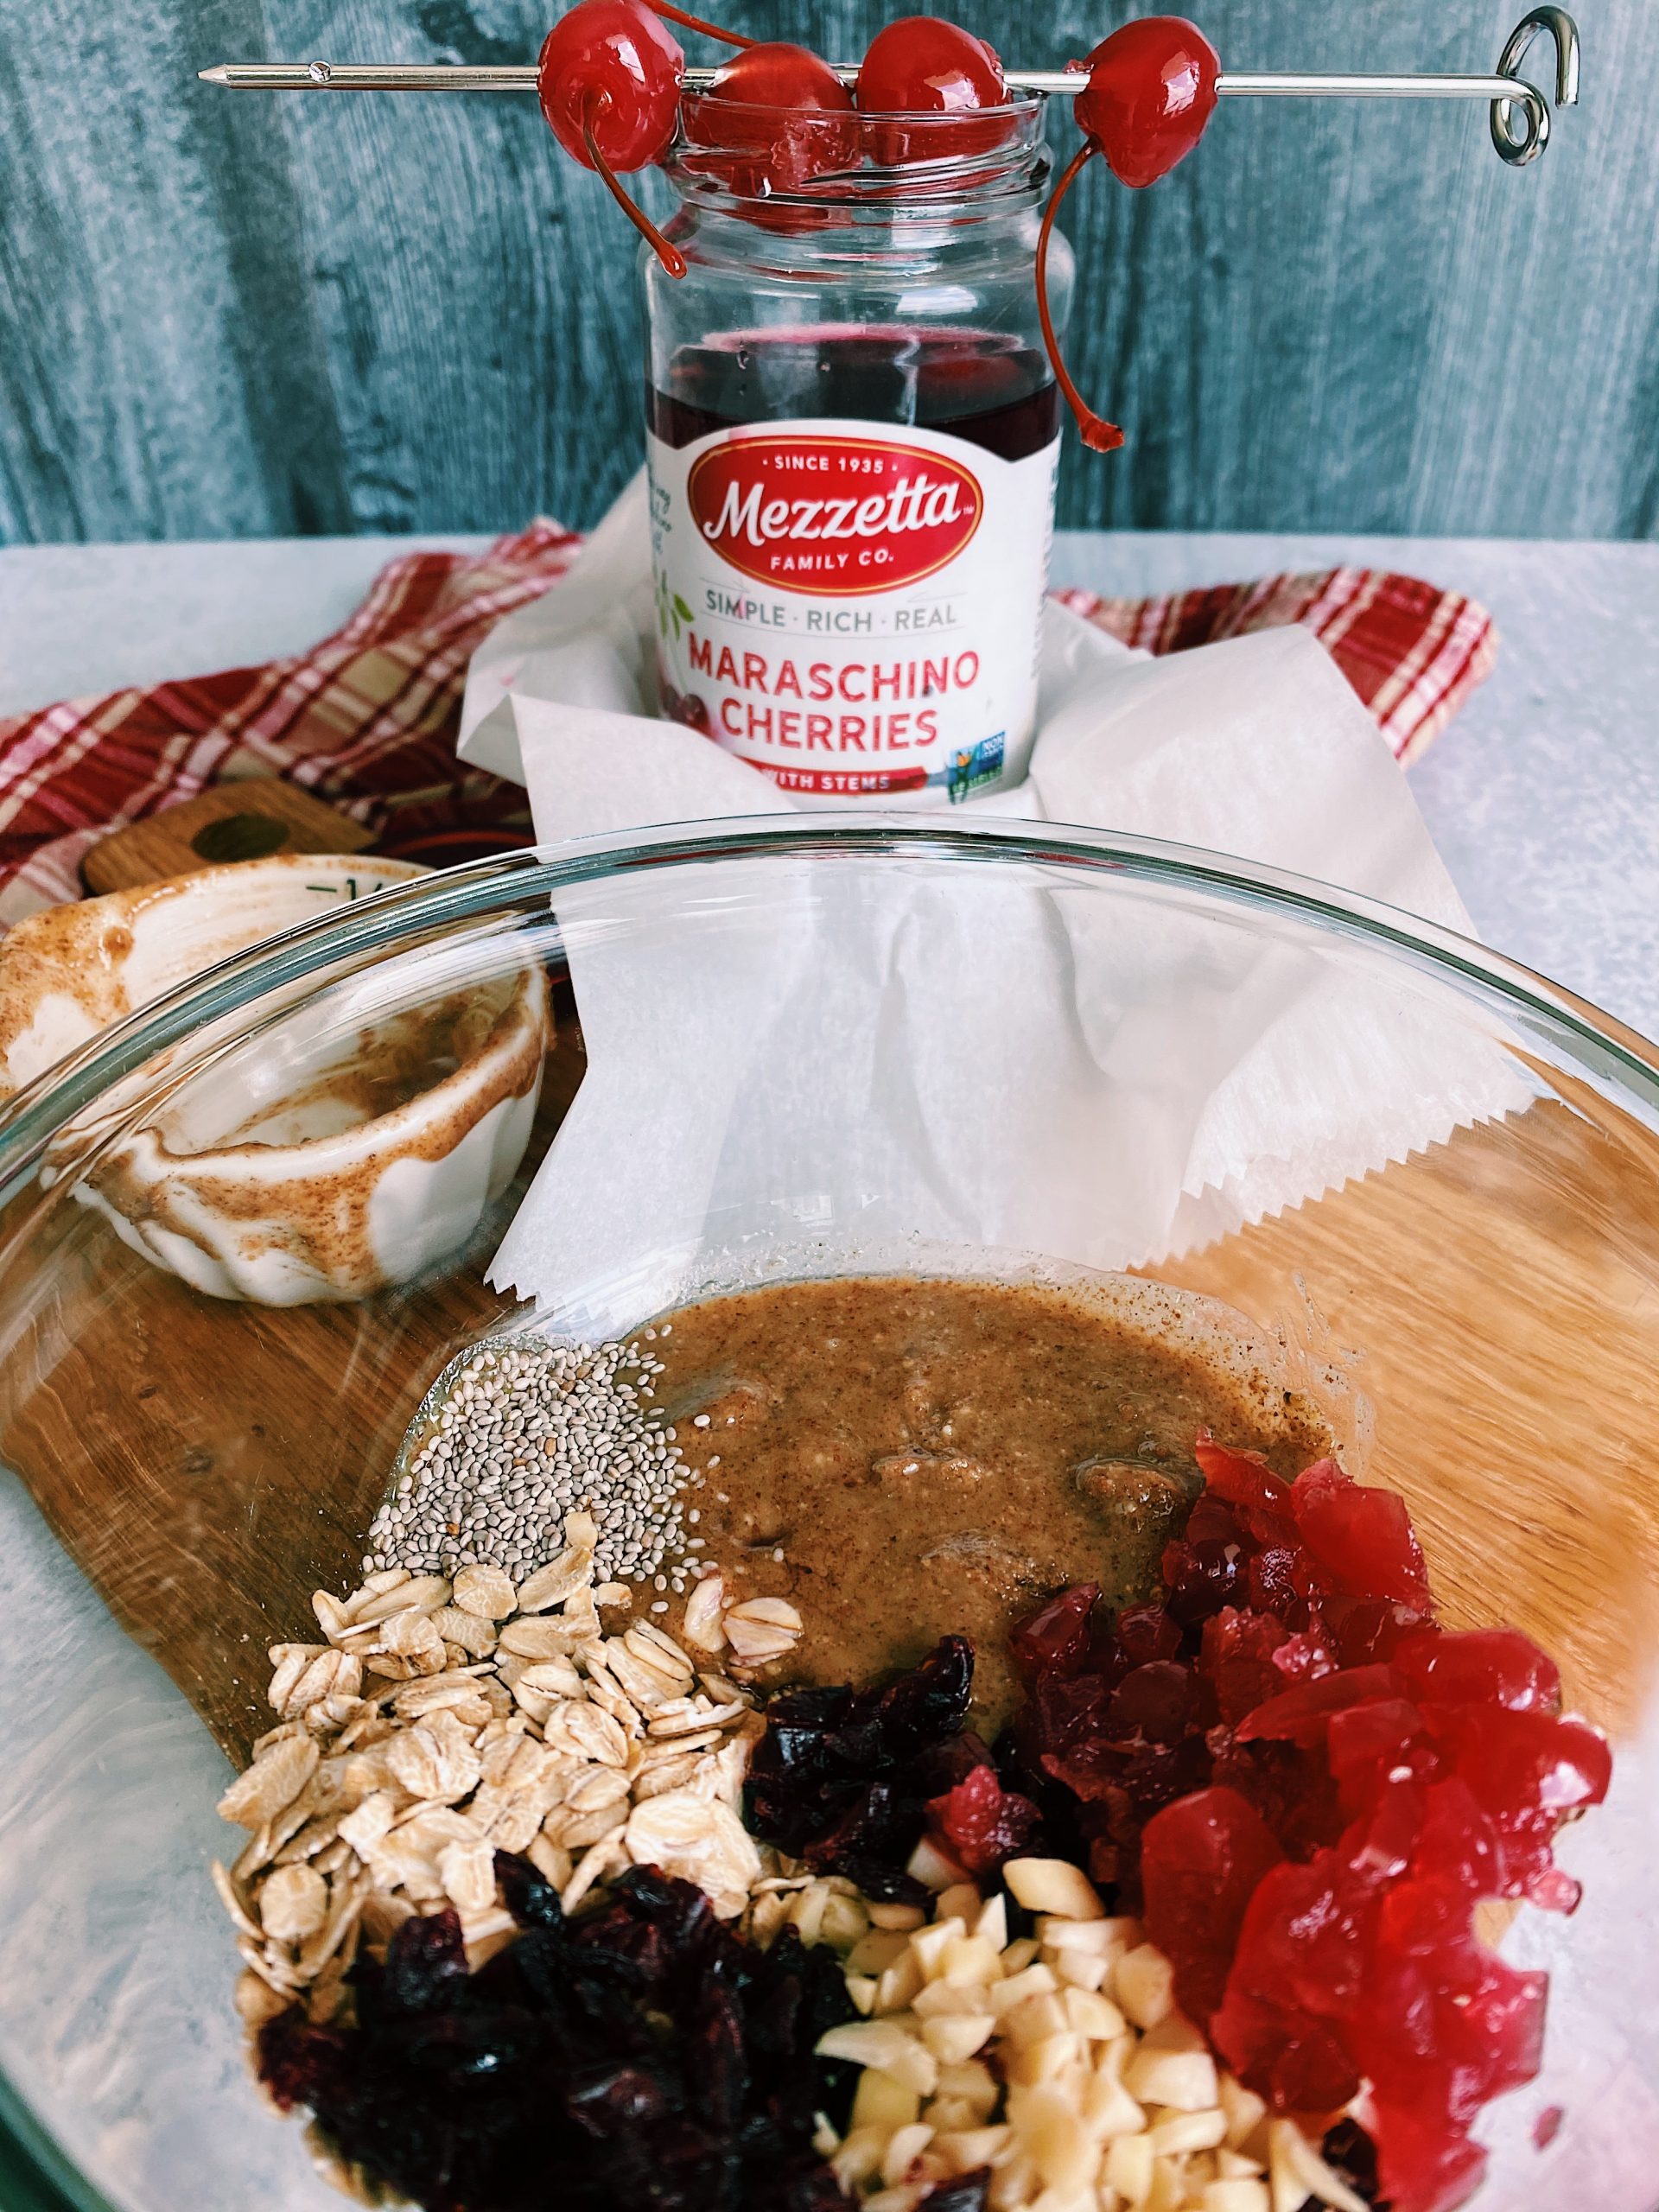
(1505, 91)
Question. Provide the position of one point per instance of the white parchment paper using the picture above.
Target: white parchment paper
(980, 1056)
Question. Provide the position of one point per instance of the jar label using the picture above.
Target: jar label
(855, 609)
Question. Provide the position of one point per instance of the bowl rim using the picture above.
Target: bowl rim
(492, 893)
(1614, 1058)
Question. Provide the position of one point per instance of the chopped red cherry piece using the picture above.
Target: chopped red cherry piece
(1242, 1478)
(1302, 1715)
(1153, 1703)
(1489, 1666)
(1367, 1742)
(1361, 1537)
(1056, 1639)
(1151, 91)
(1201, 1861)
(1307, 1788)
(772, 116)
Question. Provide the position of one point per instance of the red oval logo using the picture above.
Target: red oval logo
(830, 515)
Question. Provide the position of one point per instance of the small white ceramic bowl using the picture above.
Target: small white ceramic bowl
(325, 1167)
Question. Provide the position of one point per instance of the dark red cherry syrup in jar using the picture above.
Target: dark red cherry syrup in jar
(852, 431)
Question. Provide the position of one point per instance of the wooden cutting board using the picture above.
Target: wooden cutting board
(241, 821)
(210, 1464)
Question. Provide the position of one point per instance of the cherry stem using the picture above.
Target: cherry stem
(671, 257)
(1096, 433)
(674, 15)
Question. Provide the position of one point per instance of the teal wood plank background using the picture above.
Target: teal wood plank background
(230, 315)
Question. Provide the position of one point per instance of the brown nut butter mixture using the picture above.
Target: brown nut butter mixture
(905, 1459)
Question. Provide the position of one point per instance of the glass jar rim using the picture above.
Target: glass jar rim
(721, 146)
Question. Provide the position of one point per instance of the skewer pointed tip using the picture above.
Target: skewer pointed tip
(219, 74)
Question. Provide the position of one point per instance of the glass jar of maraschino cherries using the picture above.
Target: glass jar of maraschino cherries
(853, 399)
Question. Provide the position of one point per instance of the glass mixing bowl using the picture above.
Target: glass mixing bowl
(837, 1045)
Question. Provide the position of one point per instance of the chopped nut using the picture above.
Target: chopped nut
(1053, 1885)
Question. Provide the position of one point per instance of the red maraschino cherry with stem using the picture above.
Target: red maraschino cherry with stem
(1151, 89)
(922, 65)
(773, 113)
(609, 79)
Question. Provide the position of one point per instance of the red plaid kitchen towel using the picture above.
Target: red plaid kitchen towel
(367, 720)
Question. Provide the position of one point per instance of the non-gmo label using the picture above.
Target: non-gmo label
(855, 610)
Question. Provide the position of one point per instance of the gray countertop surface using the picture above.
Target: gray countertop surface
(1543, 794)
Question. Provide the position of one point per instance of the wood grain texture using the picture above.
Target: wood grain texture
(1496, 1300)
(164, 845)
(236, 314)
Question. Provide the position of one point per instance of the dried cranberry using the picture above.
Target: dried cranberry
(527, 1893)
(1238, 1658)
(841, 1778)
(1143, 1633)
(879, 1822)
(1056, 1640)
(980, 1823)
(1350, 2153)
(1202, 1575)
(1276, 1583)
(647, 2057)
(425, 1961)
(716, 2072)
(296, 2059)
(607, 2100)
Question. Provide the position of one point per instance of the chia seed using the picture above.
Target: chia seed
(568, 1424)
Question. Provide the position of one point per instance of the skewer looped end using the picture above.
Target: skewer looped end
(1518, 148)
